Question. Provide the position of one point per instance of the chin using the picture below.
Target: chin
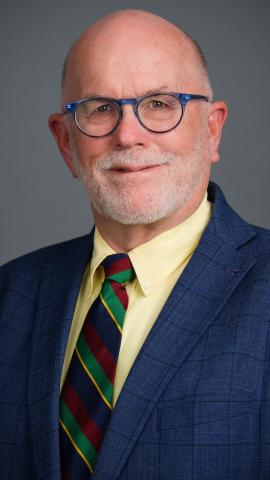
(142, 212)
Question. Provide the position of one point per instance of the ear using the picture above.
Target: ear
(216, 119)
(58, 127)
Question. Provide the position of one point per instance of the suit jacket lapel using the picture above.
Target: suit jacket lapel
(58, 294)
(222, 259)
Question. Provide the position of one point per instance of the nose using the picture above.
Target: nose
(130, 132)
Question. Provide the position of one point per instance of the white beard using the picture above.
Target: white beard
(127, 204)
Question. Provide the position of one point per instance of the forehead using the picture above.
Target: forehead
(131, 63)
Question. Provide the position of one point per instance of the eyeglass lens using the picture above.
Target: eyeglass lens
(159, 113)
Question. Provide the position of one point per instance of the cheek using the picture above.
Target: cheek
(89, 149)
(191, 132)
(178, 142)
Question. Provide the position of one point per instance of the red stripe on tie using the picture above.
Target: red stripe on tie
(121, 293)
(119, 266)
(78, 410)
(99, 350)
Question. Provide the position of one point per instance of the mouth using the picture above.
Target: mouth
(133, 169)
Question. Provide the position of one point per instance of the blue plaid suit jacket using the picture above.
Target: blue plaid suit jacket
(196, 403)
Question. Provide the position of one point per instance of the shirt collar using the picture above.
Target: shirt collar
(156, 259)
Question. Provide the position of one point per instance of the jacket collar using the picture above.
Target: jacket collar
(225, 223)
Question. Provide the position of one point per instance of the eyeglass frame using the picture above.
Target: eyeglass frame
(183, 99)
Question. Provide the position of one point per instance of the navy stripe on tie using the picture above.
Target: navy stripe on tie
(107, 330)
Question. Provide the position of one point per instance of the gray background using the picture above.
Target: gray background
(40, 202)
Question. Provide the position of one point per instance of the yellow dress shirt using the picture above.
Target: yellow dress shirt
(158, 264)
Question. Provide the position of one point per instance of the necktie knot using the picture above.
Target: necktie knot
(118, 267)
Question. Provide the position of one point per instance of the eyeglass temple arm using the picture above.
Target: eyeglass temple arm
(186, 97)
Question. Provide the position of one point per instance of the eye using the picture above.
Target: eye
(157, 104)
(162, 102)
(95, 108)
(106, 108)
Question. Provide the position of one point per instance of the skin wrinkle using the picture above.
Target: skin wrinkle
(125, 55)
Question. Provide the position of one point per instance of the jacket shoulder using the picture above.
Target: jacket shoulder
(23, 272)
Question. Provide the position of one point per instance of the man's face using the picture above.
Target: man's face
(146, 184)
(134, 176)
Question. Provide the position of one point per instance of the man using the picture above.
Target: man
(183, 392)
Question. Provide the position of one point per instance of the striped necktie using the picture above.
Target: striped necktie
(86, 400)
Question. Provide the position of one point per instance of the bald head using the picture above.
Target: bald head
(127, 36)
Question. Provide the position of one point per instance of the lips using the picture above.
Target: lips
(132, 169)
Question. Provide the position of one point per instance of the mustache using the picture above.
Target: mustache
(134, 159)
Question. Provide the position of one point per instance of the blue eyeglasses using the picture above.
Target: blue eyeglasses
(158, 113)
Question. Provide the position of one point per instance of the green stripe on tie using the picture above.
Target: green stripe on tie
(114, 304)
